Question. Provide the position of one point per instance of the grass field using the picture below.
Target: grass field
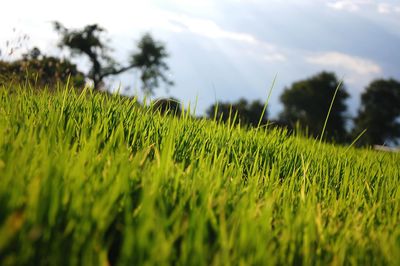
(91, 179)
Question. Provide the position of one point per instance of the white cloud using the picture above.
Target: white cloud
(343, 5)
(354, 70)
(354, 64)
(384, 8)
(348, 5)
(209, 29)
(358, 5)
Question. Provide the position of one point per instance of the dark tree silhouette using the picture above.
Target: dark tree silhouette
(149, 60)
(307, 102)
(168, 106)
(88, 41)
(379, 113)
(40, 70)
(247, 113)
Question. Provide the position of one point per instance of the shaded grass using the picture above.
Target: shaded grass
(92, 179)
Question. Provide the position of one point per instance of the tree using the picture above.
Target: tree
(149, 60)
(379, 113)
(40, 70)
(247, 113)
(307, 102)
(168, 106)
(88, 41)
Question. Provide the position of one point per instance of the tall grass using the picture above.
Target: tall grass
(91, 179)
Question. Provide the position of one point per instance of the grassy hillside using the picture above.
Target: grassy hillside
(96, 180)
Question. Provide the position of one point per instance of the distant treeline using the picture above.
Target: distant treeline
(316, 105)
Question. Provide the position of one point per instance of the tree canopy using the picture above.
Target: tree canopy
(40, 70)
(307, 102)
(379, 113)
(150, 60)
(248, 113)
(90, 41)
(168, 106)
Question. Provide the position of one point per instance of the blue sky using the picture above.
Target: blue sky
(227, 49)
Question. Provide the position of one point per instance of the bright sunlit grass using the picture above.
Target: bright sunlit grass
(92, 179)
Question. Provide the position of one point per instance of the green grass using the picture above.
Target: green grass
(91, 179)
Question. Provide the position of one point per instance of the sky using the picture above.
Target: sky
(223, 50)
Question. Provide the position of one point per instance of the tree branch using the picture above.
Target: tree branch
(116, 71)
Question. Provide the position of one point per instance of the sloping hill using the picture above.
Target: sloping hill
(92, 179)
